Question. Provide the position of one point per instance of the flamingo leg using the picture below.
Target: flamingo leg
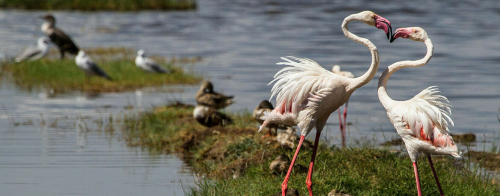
(345, 124)
(435, 175)
(284, 186)
(311, 165)
(416, 178)
(341, 128)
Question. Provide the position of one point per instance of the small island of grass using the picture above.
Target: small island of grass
(236, 160)
(64, 75)
(97, 5)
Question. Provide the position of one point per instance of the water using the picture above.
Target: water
(240, 42)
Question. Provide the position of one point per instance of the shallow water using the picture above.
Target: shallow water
(240, 42)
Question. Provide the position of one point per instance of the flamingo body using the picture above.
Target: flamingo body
(306, 93)
(422, 122)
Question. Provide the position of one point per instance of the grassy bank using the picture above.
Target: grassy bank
(238, 158)
(94, 5)
(64, 75)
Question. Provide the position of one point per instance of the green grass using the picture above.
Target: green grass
(64, 75)
(220, 153)
(94, 5)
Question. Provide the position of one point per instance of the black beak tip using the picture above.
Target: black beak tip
(392, 39)
(388, 35)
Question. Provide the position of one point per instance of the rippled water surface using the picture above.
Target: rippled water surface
(240, 42)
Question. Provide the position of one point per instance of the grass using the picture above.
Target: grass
(64, 75)
(95, 5)
(237, 151)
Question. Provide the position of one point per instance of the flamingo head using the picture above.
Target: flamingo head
(372, 19)
(413, 33)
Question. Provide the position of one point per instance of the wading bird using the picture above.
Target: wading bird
(88, 66)
(343, 125)
(63, 42)
(307, 93)
(422, 121)
(206, 96)
(34, 53)
(147, 64)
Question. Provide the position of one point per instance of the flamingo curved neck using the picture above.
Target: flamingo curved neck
(382, 81)
(366, 77)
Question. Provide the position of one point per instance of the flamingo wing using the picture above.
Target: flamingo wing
(425, 117)
(299, 88)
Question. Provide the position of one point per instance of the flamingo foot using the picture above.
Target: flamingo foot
(309, 182)
(284, 187)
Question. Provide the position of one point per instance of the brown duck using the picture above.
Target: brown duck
(206, 96)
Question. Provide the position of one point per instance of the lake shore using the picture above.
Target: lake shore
(235, 160)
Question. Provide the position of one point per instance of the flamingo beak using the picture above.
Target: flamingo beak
(384, 24)
(401, 32)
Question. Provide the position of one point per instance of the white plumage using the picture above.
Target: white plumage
(306, 93)
(88, 66)
(34, 53)
(148, 64)
(423, 121)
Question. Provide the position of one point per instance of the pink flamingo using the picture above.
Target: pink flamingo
(307, 93)
(422, 121)
(343, 125)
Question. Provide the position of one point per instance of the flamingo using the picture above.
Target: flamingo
(307, 93)
(422, 122)
(343, 125)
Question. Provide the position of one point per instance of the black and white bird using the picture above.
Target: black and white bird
(63, 42)
(88, 66)
(35, 52)
(147, 64)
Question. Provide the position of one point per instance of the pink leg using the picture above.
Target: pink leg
(435, 175)
(311, 165)
(341, 129)
(344, 125)
(416, 179)
(284, 185)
